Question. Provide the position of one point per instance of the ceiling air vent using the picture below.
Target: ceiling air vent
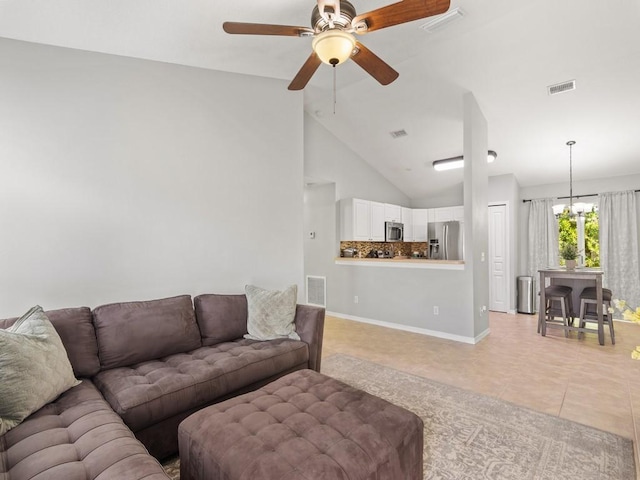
(399, 133)
(316, 290)
(561, 87)
(442, 20)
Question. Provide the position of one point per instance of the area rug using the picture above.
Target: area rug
(468, 436)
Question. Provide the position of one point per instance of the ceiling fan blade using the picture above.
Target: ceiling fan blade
(374, 65)
(401, 12)
(265, 29)
(306, 72)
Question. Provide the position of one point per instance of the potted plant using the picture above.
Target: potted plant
(569, 253)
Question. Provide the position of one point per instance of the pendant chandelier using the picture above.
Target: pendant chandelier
(570, 144)
(573, 209)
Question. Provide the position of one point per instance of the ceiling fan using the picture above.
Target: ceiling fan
(333, 23)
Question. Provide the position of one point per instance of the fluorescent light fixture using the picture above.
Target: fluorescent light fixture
(448, 163)
(458, 162)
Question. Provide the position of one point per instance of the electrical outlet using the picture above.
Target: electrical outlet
(355, 299)
(436, 310)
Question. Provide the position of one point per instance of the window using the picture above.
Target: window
(583, 230)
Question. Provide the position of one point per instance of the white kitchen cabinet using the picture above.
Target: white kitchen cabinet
(420, 217)
(361, 220)
(458, 213)
(407, 221)
(377, 222)
(392, 213)
(443, 214)
(431, 215)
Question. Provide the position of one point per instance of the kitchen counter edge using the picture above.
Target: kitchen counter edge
(401, 263)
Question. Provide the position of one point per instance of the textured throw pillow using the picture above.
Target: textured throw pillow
(271, 313)
(34, 368)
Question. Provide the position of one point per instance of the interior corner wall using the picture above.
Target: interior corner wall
(124, 179)
(475, 288)
(404, 297)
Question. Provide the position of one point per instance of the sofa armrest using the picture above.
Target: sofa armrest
(309, 322)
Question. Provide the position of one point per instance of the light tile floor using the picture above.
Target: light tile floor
(573, 378)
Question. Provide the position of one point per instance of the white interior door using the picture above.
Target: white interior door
(498, 259)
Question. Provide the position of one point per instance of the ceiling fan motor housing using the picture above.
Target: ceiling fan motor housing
(347, 14)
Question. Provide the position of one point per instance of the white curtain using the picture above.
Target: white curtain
(543, 237)
(619, 245)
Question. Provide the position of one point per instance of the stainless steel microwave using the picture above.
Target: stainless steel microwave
(393, 232)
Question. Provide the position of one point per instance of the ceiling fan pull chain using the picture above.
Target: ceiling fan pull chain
(334, 89)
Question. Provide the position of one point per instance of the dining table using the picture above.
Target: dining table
(577, 279)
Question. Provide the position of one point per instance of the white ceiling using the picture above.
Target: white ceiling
(504, 51)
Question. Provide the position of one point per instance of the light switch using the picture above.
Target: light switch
(312, 235)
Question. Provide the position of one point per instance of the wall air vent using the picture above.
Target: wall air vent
(399, 133)
(561, 87)
(316, 290)
(442, 20)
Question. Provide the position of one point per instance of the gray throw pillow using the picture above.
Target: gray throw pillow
(34, 368)
(271, 313)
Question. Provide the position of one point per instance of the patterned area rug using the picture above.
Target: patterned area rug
(468, 436)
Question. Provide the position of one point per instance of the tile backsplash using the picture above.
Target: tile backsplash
(405, 249)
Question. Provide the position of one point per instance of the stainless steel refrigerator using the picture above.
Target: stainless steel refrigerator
(445, 241)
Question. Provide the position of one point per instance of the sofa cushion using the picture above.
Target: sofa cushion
(149, 392)
(271, 313)
(77, 437)
(34, 368)
(134, 332)
(221, 318)
(75, 327)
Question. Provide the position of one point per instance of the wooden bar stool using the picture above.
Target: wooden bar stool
(558, 304)
(589, 297)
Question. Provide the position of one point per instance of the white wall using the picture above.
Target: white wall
(474, 291)
(328, 159)
(123, 179)
(444, 198)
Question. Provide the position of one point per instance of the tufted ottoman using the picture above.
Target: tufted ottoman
(303, 426)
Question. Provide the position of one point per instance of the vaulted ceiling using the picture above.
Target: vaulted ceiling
(505, 52)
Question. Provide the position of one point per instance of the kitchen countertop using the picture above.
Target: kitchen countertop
(401, 263)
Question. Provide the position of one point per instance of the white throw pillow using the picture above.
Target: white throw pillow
(271, 313)
(34, 368)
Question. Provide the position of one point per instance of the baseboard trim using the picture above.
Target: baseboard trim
(408, 328)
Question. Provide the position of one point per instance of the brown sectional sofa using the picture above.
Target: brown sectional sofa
(145, 367)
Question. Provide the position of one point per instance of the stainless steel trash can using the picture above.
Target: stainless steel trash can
(526, 295)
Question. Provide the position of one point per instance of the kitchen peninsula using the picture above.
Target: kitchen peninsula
(402, 262)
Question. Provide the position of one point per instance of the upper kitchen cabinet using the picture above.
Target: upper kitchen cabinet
(420, 217)
(392, 213)
(458, 213)
(443, 214)
(446, 214)
(361, 220)
(407, 221)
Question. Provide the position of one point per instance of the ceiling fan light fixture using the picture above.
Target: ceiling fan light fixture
(333, 46)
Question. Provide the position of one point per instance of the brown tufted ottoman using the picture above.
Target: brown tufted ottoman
(304, 426)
